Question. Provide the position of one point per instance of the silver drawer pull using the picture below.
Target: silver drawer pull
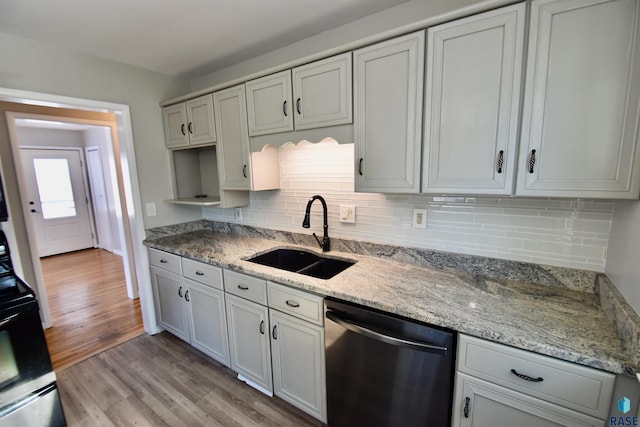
(243, 287)
(199, 273)
(292, 304)
(163, 261)
(527, 377)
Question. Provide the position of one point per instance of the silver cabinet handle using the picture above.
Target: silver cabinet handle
(398, 342)
(293, 304)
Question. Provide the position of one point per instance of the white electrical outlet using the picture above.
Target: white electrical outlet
(239, 214)
(150, 208)
(348, 213)
(419, 218)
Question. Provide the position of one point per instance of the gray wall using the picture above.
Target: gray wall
(622, 265)
(38, 67)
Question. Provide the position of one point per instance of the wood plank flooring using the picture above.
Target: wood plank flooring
(162, 381)
(89, 306)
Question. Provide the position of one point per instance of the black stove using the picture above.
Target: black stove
(28, 391)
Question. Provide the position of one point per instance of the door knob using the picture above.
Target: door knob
(33, 210)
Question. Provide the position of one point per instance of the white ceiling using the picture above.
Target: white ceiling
(187, 38)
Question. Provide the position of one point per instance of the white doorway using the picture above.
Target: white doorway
(58, 200)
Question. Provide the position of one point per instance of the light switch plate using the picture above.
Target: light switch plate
(348, 213)
(419, 218)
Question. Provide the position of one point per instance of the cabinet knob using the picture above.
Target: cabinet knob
(298, 105)
(284, 108)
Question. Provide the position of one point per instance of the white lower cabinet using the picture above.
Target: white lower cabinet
(276, 338)
(249, 342)
(499, 386)
(192, 310)
(298, 363)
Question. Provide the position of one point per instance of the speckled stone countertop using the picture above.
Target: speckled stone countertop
(554, 321)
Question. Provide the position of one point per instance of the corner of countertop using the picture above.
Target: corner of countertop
(625, 320)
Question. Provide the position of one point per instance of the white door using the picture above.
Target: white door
(99, 198)
(57, 200)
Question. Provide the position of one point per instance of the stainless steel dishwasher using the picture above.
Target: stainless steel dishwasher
(384, 370)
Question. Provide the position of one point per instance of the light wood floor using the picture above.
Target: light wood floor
(162, 381)
(89, 306)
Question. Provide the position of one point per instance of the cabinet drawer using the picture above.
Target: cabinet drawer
(298, 303)
(206, 274)
(244, 286)
(573, 386)
(165, 260)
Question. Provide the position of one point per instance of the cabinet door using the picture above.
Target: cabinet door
(208, 320)
(233, 139)
(175, 126)
(478, 403)
(269, 104)
(298, 363)
(322, 93)
(582, 92)
(388, 82)
(200, 123)
(249, 344)
(474, 68)
(171, 310)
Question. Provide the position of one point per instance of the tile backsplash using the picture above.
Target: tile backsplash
(562, 232)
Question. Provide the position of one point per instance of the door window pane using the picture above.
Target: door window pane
(54, 186)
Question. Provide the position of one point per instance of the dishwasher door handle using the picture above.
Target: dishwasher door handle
(398, 342)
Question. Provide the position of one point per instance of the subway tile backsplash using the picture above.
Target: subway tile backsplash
(561, 232)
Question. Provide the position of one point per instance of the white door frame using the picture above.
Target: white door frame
(101, 226)
(135, 258)
(85, 182)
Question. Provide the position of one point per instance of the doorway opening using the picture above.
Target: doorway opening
(67, 178)
(116, 117)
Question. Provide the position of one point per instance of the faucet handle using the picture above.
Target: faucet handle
(318, 240)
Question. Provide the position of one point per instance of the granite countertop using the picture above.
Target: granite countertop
(558, 322)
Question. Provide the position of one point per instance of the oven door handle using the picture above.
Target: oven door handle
(9, 319)
(396, 341)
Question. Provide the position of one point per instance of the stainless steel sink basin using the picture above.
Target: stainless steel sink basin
(303, 262)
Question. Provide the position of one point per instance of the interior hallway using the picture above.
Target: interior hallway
(89, 305)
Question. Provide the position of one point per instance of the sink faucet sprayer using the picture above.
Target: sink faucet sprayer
(325, 245)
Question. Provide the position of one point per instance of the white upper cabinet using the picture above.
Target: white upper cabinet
(189, 123)
(388, 86)
(581, 107)
(322, 93)
(472, 100)
(269, 104)
(233, 138)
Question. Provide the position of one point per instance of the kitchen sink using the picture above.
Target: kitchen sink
(303, 262)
